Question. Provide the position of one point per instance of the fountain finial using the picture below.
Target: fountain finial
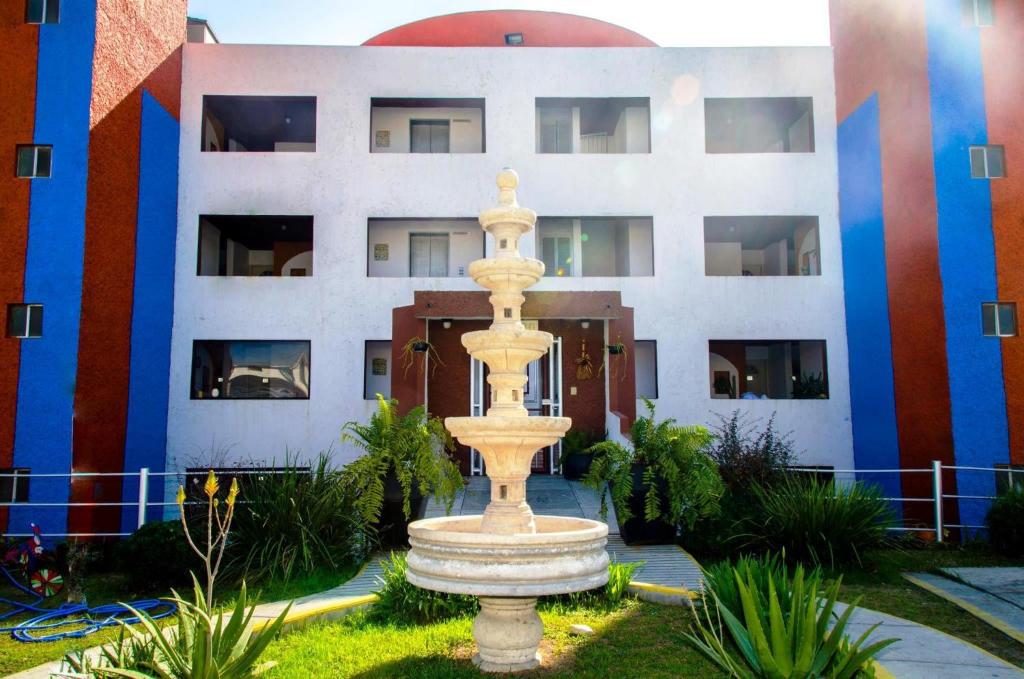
(508, 180)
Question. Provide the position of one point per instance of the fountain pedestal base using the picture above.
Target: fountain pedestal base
(507, 633)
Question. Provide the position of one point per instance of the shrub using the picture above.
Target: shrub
(1005, 521)
(579, 441)
(619, 577)
(772, 639)
(414, 447)
(293, 522)
(764, 572)
(821, 523)
(403, 602)
(669, 454)
(156, 557)
(748, 456)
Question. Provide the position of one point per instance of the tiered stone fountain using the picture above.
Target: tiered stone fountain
(507, 556)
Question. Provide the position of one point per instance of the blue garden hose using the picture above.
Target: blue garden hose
(88, 620)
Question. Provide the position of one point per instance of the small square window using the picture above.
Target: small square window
(25, 321)
(978, 12)
(42, 11)
(514, 39)
(988, 162)
(999, 319)
(14, 484)
(34, 161)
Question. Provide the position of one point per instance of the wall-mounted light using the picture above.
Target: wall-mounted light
(585, 323)
(446, 323)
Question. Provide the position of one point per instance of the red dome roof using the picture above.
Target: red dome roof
(488, 29)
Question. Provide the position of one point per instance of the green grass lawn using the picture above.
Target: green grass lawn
(636, 640)
(106, 588)
(881, 587)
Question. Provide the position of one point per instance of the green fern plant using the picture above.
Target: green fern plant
(681, 481)
(414, 447)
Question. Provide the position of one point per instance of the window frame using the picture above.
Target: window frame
(222, 397)
(431, 235)
(986, 149)
(44, 13)
(996, 324)
(657, 390)
(974, 9)
(35, 149)
(19, 479)
(431, 123)
(27, 330)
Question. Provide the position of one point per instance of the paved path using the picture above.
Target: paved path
(994, 595)
(927, 653)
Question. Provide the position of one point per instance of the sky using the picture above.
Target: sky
(670, 23)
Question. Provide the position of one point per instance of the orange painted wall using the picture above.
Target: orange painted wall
(1002, 53)
(138, 46)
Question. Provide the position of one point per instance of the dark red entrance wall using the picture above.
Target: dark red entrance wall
(448, 385)
(587, 408)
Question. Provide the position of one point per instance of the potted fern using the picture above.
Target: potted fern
(664, 481)
(405, 461)
(576, 454)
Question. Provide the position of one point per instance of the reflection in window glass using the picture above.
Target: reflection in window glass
(250, 369)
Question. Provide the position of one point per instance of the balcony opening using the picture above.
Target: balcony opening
(768, 369)
(759, 125)
(244, 123)
(422, 248)
(250, 369)
(645, 353)
(426, 125)
(761, 246)
(593, 125)
(596, 246)
(261, 245)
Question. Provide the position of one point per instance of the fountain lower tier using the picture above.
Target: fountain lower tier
(508, 572)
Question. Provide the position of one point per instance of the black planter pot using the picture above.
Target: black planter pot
(393, 527)
(575, 466)
(639, 531)
(614, 349)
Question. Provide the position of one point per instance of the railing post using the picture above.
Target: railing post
(143, 495)
(937, 492)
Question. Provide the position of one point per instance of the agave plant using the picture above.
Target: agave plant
(802, 640)
(762, 571)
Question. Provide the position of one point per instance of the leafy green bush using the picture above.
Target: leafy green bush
(764, 572)
(681, 479)
(822, 523)
(414, 447)
(579, 441)
(295, 521)
(403, 602)
(772, 639)
(156, 557)
(749, 456)
(1005, 521)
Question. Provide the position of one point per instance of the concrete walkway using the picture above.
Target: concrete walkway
(993, 595)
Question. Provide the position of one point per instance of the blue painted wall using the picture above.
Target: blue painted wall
(152, 305)
(862, 230)
(53, 263)
(966, 252)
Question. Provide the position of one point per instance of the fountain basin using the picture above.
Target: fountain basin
(450, 554)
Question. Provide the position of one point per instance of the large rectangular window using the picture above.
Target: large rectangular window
(377, 369)
(593, 125)
(988, 162)
(42, 11)
(25, 321)
(426, 125)
(596, 246)
(761, 246)
(245, 123)
(255, 245)
(999, 319)
(768, 369)
(759, 125)
(423, 248)
(250, 369)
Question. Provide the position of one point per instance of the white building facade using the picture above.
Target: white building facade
(692, 192)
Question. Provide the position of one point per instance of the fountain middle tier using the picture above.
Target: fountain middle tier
(507, 443)
(507, 350)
